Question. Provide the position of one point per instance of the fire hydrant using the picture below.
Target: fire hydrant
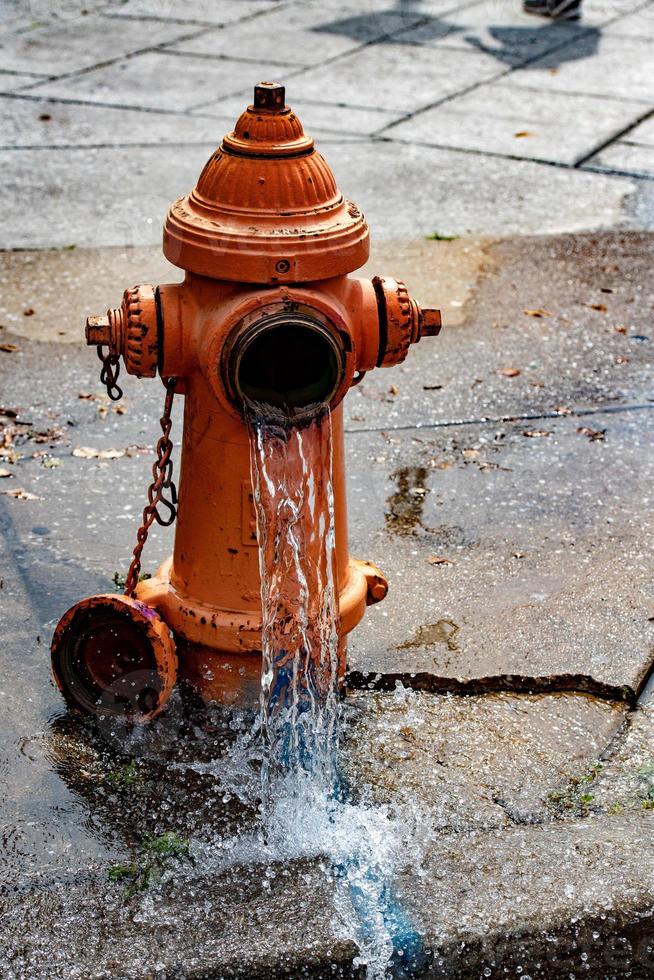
(268, 313)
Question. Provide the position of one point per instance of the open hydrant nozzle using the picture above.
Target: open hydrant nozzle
(267, 320)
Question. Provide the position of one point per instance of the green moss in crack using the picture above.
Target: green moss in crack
(574, 800)
(154, 854)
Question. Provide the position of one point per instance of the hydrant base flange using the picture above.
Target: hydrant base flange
(232, 631)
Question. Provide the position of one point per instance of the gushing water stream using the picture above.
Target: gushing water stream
(305, 804)
(291, 474)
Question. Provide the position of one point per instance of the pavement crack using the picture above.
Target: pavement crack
(432, 683)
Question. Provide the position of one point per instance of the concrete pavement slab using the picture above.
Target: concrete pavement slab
(162, 80)
(62, 288)
(625, 158)
(567, 313)
(501, 118)
(415, 190)
(215, 12)
(643, 134)
(609, 66)
(83, 42)
(10, 81)
(412, 77)
(637, 25)
(44, 122)
(98, 211)
(406, 193)
(20, 15)
(478, 761)
(538, 902)
(302, 34)
(534, 589)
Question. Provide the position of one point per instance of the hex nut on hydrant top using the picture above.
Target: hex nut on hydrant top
(267, 314)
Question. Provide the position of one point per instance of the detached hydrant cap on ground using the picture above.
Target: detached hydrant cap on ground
(266, 207)
(267, 322)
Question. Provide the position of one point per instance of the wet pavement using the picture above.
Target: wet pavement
(512, 514)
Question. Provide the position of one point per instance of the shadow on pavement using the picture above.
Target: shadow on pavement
(513, 44)
(553, 43)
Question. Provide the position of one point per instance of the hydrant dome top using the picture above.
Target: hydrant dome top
(266, 207)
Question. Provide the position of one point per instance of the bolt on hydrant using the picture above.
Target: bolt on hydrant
(267, 314)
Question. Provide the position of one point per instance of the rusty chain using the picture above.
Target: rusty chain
(109, 373)
(162, 468)
(162, 480)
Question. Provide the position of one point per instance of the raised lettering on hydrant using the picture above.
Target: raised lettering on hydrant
(267, 242)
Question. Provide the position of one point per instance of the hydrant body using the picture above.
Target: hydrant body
(267, 320)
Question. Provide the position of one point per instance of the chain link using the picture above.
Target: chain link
(109, 373)
(162, 481)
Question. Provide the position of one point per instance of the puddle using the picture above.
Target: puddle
(406, 505)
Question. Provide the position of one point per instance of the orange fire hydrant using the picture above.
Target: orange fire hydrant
(267, 313)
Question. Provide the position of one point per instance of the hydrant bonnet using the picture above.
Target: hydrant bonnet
(266, 207)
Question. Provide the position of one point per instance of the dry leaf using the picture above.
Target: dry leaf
(8, 348)
(471, 453)
(88, 452)
(46, 435)
(28, 312)
(536, 433)
(19, 494)
(437, 560)
(137, 451)
(509, 372)
(600, 307)
(522, 133)
(393, 390)
(595, 435)
(537, 313)
(5, 473)
(620, 329)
